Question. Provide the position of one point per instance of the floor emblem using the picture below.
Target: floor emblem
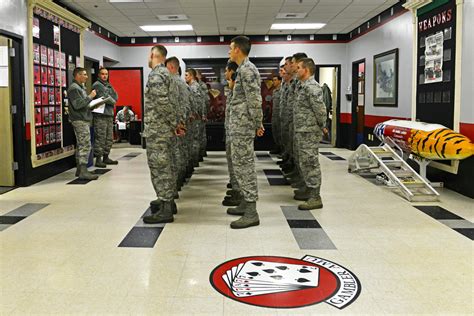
(280, 282)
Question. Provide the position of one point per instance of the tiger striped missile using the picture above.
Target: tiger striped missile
(429, 141)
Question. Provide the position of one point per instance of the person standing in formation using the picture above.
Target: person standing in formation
(245, 120)
(104, 122)
(197, 109)
(205, 111)
(276, 112)
(309, 127)
(160, 127)
(234, 196)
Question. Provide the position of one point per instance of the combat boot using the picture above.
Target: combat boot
(232, 200)
(229, 186)
(84, 174)
(109, 161)
(164, 215)
(99, 163)
(313, 203)
(302, 194)
(155, 206)
(250, 217)
(239, 210)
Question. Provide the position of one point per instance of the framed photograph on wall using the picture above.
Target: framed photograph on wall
(386, 78)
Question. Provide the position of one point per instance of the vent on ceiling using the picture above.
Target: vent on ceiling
(291, 15)
(173, 17)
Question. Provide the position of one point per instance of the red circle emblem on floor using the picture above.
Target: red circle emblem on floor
(281, 282)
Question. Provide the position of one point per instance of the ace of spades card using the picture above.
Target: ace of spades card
(263, 277)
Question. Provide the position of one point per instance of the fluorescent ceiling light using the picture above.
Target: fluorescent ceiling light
(165, 28)
(267, 67)
(207, 73)
(297, 26)
(202, 68)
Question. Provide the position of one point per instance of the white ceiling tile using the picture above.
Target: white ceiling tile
(296, 9)
(144, 20)
(266, 3)
(134, 5)
(196, 3)
(183, 33)
(167, 11)
(137, 12)
(203, 10)
(167, 5)
(300, 2)
(334, 2)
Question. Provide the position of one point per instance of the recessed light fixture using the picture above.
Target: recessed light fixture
(202, 68)
(165, 28)
(297, 26)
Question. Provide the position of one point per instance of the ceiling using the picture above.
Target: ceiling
(228, 17)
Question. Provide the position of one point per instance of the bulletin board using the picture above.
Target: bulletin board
(55, 38)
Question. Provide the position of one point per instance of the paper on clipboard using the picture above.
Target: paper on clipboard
(121, 126)
(100, 101)
(99, 109)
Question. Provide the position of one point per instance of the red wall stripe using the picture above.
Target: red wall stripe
(345, 118)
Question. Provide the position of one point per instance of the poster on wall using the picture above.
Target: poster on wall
(434, 58)
(44, 55)
(78, 61)
(36, 53)
(56, 36)
(36, 28)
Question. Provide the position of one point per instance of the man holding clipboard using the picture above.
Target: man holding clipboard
(103, 118)
(80, 117)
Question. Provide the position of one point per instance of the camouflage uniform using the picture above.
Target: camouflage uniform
(276, 116)
(197, 110)
(174, 99)
(232, 178)
(284, 117)
(245, 117)
(80, 117)
(104, 123)
(206, 104)
(159, 125)
(309, 120)
(290, 100)
(183, 117)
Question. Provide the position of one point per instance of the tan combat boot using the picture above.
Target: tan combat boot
(313, 203)
(250, 217)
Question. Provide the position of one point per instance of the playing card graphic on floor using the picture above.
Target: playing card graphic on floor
(263, 277)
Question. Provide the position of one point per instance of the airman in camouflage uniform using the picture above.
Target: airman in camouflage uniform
(205, 110)
(160, 127)
(197, 109)
(81, 118)
(276, 114)
(234, 197)
(104, 122)
(245, 120)
(310, 122)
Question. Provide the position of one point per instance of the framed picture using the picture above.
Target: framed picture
(386, 78)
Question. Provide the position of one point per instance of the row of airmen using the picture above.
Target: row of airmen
(183, 105)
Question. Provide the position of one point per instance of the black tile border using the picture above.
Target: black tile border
(4, 190)
(438, 213)
(19, 214)
(303, 223)
(101, 171)
(468, 232)
(141, 237)
(273, 172)
(10, 220)
(79, 181)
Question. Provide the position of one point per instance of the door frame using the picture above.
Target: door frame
(19, 125)
(355, 99)
(335, 116)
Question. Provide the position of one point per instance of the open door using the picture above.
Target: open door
(7, 173)
(329, 79)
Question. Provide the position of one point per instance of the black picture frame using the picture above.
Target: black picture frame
(385, 85)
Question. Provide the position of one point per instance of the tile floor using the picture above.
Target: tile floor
(64, 258)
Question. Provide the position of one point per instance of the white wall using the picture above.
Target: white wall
(321, 53)
(397, 33)
(13, 18)
(98, 48)
(467, 84)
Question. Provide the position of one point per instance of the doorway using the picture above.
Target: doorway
(328, 77)
(92, 67)
(358, 103)
(12, 111)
